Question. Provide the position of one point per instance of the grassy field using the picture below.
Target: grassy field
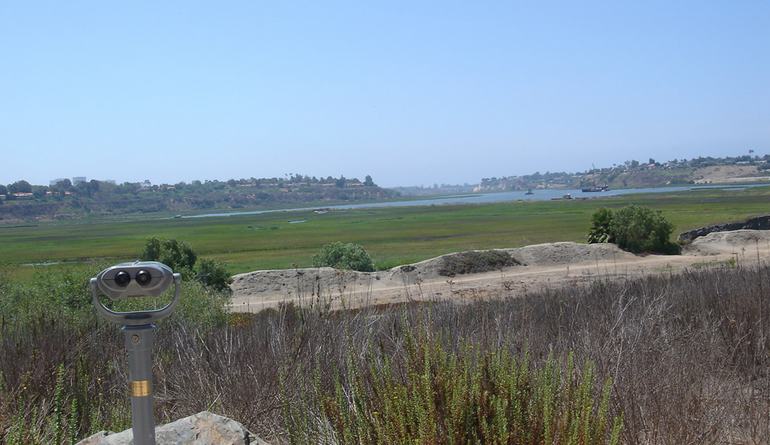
(392, 235)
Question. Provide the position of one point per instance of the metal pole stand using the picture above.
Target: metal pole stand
(139, 342)
(137, 279)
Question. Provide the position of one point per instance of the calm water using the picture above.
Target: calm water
(483, 198)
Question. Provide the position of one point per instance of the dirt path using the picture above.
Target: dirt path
(263, 289)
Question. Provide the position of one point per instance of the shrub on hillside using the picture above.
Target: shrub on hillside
(635, 229)
(475, 262)
(344, 256)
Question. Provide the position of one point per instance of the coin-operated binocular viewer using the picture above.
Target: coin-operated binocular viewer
(138, 279)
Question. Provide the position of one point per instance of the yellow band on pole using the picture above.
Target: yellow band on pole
(141, 388)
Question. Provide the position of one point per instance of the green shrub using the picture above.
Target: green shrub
(640, 229)
(601, 222)
(437, 396)
(180, 257)
(213, 274)
(475, 261)
(344, 256)
(635, 229)
(177, 255)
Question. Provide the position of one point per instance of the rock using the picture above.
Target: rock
(203, 428)
(758, 223)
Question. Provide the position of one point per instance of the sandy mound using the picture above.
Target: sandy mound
(738, 241)
(551, 254)
(548, 254)
(312, 282)
(298, 282)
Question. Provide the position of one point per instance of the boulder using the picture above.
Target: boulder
(203, 428)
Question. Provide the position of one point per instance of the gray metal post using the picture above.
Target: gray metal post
(139, 341)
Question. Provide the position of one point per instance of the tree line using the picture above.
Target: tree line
(21, 200)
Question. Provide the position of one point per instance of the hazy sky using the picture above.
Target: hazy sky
(412, 92)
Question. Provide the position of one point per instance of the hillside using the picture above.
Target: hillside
(22, 201)
(634, 174)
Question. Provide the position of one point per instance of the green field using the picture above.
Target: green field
(392, 235)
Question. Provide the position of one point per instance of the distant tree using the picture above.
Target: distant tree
(62, 186)
(368, 181)
(40, 192)
(3, 190)
(85, 188)
(340, 182)
(20, 187)
(344, 256)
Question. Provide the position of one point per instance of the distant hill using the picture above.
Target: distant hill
(22, 201)
(634, 174)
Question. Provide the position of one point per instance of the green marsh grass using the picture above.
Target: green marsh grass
(392, 236)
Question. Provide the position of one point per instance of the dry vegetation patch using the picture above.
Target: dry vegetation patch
(687, 356)
(475, 261)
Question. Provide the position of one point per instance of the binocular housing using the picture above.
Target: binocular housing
(137, 279)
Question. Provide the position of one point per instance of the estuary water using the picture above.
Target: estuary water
(485, 198)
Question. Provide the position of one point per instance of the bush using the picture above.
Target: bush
(213, 274)
(344, 256)
(640, 229)
(475, 261)
(177, 255)
(600, 227)
(180, 257)
(635, 229)
(435, 397)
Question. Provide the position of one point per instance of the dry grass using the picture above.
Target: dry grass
(688, 355)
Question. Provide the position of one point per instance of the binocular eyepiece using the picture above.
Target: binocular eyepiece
(123, 278)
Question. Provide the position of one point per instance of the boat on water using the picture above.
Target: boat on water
(595, 189)
(529, 192)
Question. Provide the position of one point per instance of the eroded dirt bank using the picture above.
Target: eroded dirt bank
(541, 266)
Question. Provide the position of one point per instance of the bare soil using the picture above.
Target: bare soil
(543, 266)
(723, 174)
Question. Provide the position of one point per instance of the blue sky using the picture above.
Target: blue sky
(410, 92)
